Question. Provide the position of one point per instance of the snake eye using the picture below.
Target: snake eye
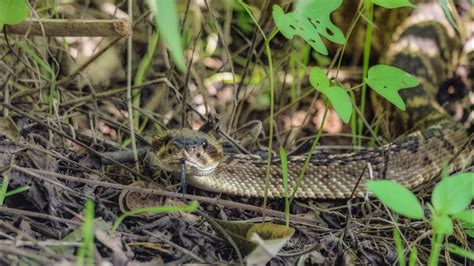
(204, 145)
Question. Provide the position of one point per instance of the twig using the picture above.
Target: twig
(213, 201)
(25, 254)
(72, 27)
(38, 215)
(176, 246)
(129, 90)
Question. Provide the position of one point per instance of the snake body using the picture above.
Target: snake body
(424, 47)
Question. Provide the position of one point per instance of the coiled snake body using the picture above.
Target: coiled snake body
(424, 47)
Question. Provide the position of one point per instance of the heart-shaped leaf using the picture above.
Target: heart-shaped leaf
(13, 11)
(338, 96)
(393, 3)
(310, 19)
(397, 197)
(388, 80)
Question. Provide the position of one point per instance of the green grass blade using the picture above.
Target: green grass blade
(460, 251)
(17, 191)
(399, 246)
(161, 209)
(86, 251)
(3, 189)
(413, 255)
(284, 171)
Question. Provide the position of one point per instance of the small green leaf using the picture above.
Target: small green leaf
(388, 80)
(397, 197)
(453, 194)
(13, 11)
(442, 224)
(166, 17)
(389, 4)
(310, 20)
(338, 96)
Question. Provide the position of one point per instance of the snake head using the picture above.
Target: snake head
(200, 152)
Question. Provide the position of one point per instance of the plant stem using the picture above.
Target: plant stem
(436, 242)
(311, 152)
(367, 41)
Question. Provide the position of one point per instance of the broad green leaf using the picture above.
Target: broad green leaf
(393, 3)
(388, 80)
(442, 224)
(13, 11)
(453, 194)
(447, 11)
(338, 96)
(397, 197)
(310, 20)
(166, 17)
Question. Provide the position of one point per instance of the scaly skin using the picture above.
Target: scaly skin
(425, 46)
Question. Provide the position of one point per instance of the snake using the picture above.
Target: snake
(424, 46)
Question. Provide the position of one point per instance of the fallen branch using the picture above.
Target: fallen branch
(71, 27)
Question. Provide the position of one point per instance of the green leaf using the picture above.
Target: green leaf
(453, 194)
(466, 216)
(442, 224)
(449, 15)
(397, 197)
(13, 11)
(393, 3)
(470, 233)
(460, 251)
(388, 80)
(166, 17)
(310, 20)
(466, 220)
(338, 96)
